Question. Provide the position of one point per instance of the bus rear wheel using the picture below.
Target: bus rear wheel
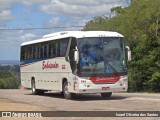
(66, 93)
(106, 95)
(34, 90)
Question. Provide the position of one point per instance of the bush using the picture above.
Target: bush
(8, 81)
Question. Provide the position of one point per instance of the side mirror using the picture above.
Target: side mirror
(128, 53)
(76, 56)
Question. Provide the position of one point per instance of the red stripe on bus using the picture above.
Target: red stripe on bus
(98, 80)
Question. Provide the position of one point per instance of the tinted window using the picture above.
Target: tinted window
(51, 49)
(63, 46)
(22, 53)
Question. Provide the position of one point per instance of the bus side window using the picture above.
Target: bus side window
(36, 51)
(63, 46)
(22, 53)
(53, 49)
(25, 53)
(45, 51)
(39, 51)
(29, 53)
(42, 51)
(33, 52)
(50, 50)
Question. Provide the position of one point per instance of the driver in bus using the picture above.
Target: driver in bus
(87, 53)
(84, 56)
(84, 60)
(92, 53)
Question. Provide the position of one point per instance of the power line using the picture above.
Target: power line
(39, 28)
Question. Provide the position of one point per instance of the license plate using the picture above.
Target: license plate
(105, 88)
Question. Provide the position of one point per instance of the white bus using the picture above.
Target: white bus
(75, 62)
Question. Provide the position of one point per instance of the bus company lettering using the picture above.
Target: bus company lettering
(48, 65)
(113, 79)
(105, 78)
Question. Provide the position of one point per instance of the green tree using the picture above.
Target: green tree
(8, 80)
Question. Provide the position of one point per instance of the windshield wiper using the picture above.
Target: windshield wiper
(112, 67)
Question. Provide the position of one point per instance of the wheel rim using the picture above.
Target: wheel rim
(33, 87)
(66, 90)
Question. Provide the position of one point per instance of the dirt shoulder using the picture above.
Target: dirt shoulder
(8, 105)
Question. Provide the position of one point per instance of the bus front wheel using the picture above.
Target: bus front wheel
(66, 93)
(106, 95)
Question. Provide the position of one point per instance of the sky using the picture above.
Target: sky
(23, 14)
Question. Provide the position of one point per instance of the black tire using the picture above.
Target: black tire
(106, 95)
(34, 90)
(33, 87)
(40, 92)
(67, 95)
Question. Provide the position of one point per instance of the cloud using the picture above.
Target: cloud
(10, 43)
(6, 4)
(27, 37)
(90, 2)
(11, 38)
(79, 8)
(77, 12)
(5, 15)
(31, 2)
(5, 7)
(55, 21)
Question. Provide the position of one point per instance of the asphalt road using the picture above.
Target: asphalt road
(92, 102)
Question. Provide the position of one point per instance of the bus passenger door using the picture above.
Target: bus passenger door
(71, 56)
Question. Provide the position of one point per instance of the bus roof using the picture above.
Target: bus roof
(76, 34)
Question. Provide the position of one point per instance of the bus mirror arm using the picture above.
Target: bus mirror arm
(128, 53)
(76, 56)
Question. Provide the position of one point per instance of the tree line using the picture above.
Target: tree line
(9, 77)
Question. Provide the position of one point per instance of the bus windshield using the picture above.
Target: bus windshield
(102, 55)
